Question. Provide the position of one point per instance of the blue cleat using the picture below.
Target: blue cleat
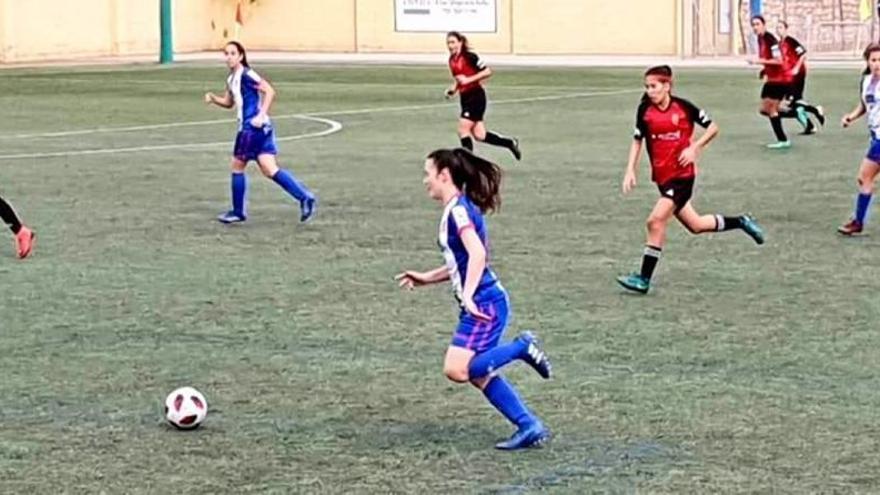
(308, 207)
(634, 282)
(231, 217)
(532, 435)
(534, 356)
(751, 227)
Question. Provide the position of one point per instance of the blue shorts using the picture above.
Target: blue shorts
(251, 143)
(873, 152)
(480, 336)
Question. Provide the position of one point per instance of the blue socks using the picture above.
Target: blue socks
(239, 187)
(484, 364)
(293, 187)
(504, 398)
(862, 202)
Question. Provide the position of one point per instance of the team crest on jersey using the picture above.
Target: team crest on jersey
(675, 119)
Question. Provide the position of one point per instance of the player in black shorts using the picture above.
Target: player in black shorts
(468, 71)
(776, 80)
(794, 57)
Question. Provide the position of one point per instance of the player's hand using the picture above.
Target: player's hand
(450, 92)
(260, 120)
(629, 182)
(846, 120)
(471, 307)
(462, 79)
(688, 156)
(410, 279)
(209, 98)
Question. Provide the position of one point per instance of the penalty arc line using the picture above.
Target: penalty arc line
(332, 128)
(315, 116)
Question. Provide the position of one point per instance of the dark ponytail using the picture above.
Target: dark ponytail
(241, 50)
(477, 178)
(465, 45)
(871, 48)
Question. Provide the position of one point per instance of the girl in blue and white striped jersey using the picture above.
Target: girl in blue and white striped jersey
(253, 96)
(468, 186)
(869, 103)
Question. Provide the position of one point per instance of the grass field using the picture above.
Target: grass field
(747, 369)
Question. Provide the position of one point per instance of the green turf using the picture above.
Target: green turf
(747, 369)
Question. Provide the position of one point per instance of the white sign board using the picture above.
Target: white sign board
(432, 16)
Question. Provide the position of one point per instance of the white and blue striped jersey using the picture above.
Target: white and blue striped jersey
(459, 215)
(244, 86)
(871, 100)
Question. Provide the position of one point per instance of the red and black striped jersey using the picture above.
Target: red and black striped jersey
(667, 133)
(466, 64)
(769, 49)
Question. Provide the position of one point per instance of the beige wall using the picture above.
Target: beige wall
(47, 29)
(595, 26)
(375, 31)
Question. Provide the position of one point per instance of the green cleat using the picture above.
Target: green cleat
(751, 227)
(781, 145)
(802, 116)
(634, 282)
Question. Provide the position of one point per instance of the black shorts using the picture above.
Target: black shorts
(679, 191)
(796, 89)
(473, 105)
(775, 91)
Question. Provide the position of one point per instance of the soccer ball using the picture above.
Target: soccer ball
(186, 408)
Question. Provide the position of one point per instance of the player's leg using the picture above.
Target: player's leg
(475, 356)
(656, 225)
(238, 189)
(698, 224)
(803, 106)
(770, 107)
(24, 237)
(867, 173)
(492, 357)
(484, 135)
(284, 178)
(465, 133)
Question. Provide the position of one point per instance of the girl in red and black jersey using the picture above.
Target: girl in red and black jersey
(666, 123)
(794, 57)
(468, 71)
(777, 81)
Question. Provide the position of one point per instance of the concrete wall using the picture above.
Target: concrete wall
(63, 29)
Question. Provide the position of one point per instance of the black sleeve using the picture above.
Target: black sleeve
(641, 128)
(475, 61)
(797, 47)
(696, 114)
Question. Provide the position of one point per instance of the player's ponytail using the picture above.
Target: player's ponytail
(238, 46)
(465, 45)
(871, 48)
(478, 178)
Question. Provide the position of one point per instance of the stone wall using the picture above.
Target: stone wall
(831, 26)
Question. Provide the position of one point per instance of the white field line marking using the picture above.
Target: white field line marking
(308, 116)
(440, 86)
(332, 127)
(100, 130)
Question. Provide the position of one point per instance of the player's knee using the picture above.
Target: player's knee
(480, 135)
(654, 224)
(456, 374)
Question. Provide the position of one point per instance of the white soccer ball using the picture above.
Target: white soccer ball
(186, 408)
